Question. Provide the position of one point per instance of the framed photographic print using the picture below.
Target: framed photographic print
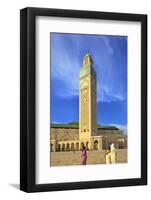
(83, 99)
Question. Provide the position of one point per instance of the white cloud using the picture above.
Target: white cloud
(67, 72)
(108, 45)
(106, 94)
(67, 67)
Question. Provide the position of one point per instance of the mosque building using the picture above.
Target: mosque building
(69, 137)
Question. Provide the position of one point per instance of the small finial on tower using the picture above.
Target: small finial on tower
(87, 60)
(87, 53)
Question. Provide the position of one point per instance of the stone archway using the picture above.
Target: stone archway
(120, 145)
(87, 145)
(72, 146)
(81, 144)
(51, 147)
(63, 147)
(67, 147)
(95, 145)
(59, 147)
(77, 146)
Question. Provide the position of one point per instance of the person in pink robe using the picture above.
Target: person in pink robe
(83, 155)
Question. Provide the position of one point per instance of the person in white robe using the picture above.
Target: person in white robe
(113, 154)
(108, 157)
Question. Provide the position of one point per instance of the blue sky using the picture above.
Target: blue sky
(109, 54)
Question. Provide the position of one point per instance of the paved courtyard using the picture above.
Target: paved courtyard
(94, 157)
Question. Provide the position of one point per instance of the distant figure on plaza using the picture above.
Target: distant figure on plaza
(113, 153)
(83, 155)
(110, 155)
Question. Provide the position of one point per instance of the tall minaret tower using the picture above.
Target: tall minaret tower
(87, 100)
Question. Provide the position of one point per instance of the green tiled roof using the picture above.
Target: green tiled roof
(107, 127)
(76, 125)
(64, 125)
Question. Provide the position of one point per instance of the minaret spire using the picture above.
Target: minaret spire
(87, 60)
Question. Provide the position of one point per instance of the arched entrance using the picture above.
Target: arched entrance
(121, 145)
(72, 146)
(77, 146)
(82, 143)
(59, 147)
(87, 145)
(51, 147)
(68, 147)
(63, 147)
(95, 145)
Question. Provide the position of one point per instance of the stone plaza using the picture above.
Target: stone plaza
(94, 157)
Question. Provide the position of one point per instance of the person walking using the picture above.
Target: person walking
(83, 155)
(113, 154)
(108, 156)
